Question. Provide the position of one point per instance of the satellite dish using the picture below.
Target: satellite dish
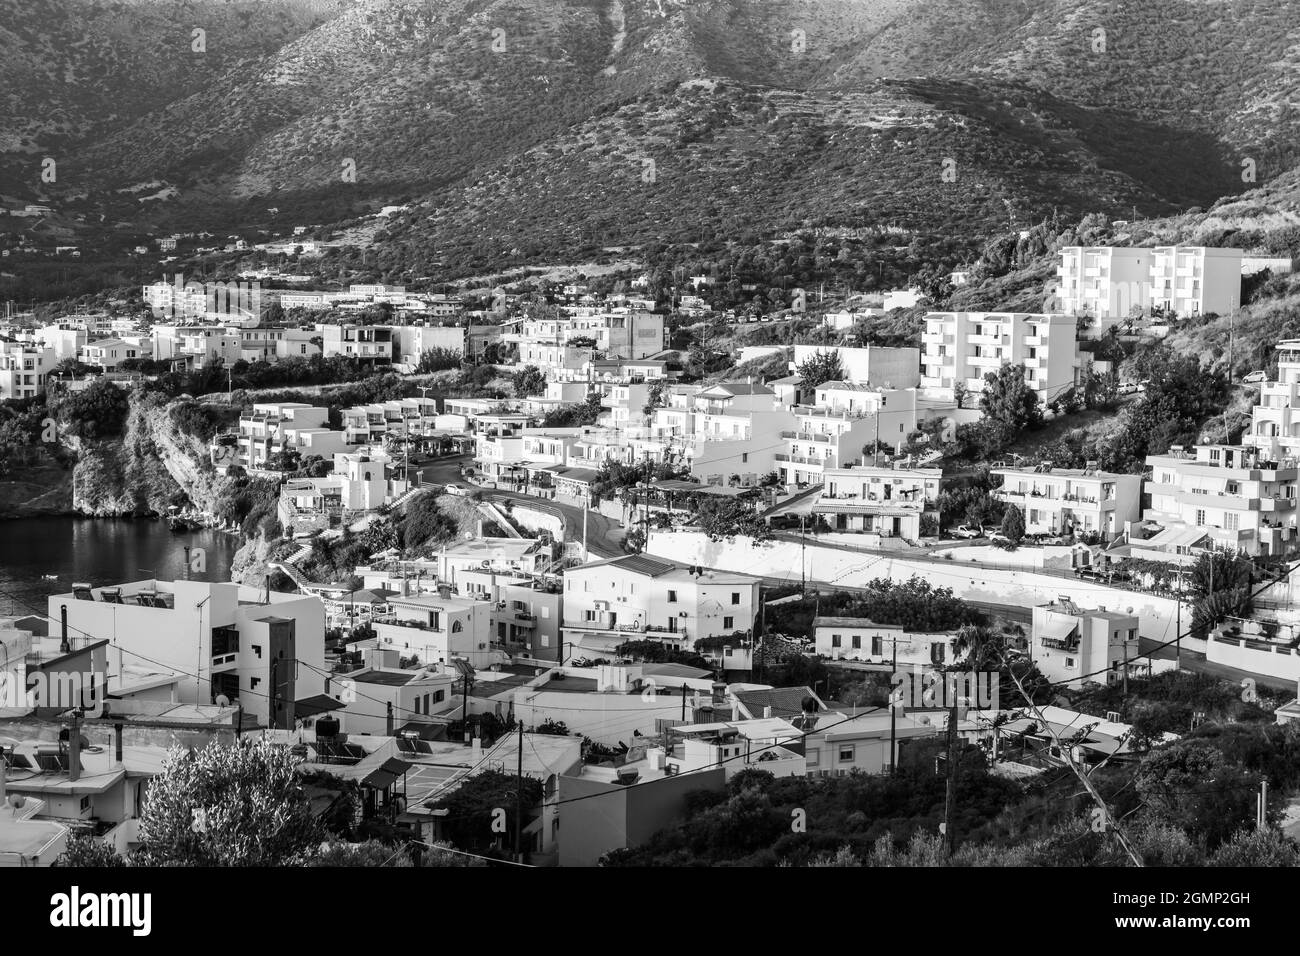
(17, 801)
(223, 700)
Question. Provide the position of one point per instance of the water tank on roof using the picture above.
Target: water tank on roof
(327, 728)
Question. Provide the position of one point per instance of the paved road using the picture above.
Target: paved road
(604, 535)
(1195, 661)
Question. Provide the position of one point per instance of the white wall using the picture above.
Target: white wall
(848, 568)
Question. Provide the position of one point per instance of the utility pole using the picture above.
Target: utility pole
(270, 716)
(1126, 670)
(683, 703)
(950, 799)
(1261, 815)
(803, 565)
(893, 718)
(519, 800)
(388, 730)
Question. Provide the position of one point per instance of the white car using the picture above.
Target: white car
(968, 531)
(455, 489)
(998, 537)
(1253, 377)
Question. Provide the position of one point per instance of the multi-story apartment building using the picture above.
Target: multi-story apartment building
(736, 429)
(639, 597)
(261, 649)
(1275, 420)
(24, 369)
(822, 439)
(1231, 496)
(369, 343)
(1196, 280)
(888, 501)
(1104, 282)
(396, 418)
(1073, 646)
(273, 427)
(64, 338)
(963, 347)
(1072, 500)
(440, 627)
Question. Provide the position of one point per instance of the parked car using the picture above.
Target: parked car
(1254, 377)
(455, 489)
(968, 531)
(1047, 539)
(1127, 388)
(996, 536)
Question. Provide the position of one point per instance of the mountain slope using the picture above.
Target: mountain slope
(525, 127)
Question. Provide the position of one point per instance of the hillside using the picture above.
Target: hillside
(523, 130)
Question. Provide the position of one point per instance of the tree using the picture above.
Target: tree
(438, 359)
(727, 517)
(477, 803)
(1008, 399)
(552, 728)
(1191, 785)
(83, 850)
(240, 805)
(820, 367)
(1013, 525)
(529, 380)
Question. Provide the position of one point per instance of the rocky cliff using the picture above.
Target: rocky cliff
(150, 467)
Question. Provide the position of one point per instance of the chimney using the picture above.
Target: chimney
(767, 711)
(64, 646)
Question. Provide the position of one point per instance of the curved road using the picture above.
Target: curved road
(604, 535)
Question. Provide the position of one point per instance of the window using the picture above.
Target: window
(85, 802)
(439, 696)
(728, 623)
(836, 640)
(1200, 516)
(846, 754)
(735, 597)
(857, 641)
(814, 756)
(1069, 662)
(254, 683)
(257, 649)
(672, 597)
(744, 457)
(876, 642)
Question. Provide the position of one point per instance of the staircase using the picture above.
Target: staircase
(298, 578)
(406, 496)
(496, 516)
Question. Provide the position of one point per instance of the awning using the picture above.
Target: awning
(315, 705)
(386, 774)
(1056, 629)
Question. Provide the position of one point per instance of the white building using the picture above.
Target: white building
(1074, 646)
(1104, 282)
(261, 649)
(1195, 280)
(887, 501)
(869, 365)
(639, 597)
(1072, 500)
(1232, 496)
(859, 639)
(24, 369)
(960, 348)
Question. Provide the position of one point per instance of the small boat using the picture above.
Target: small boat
(49, 577)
